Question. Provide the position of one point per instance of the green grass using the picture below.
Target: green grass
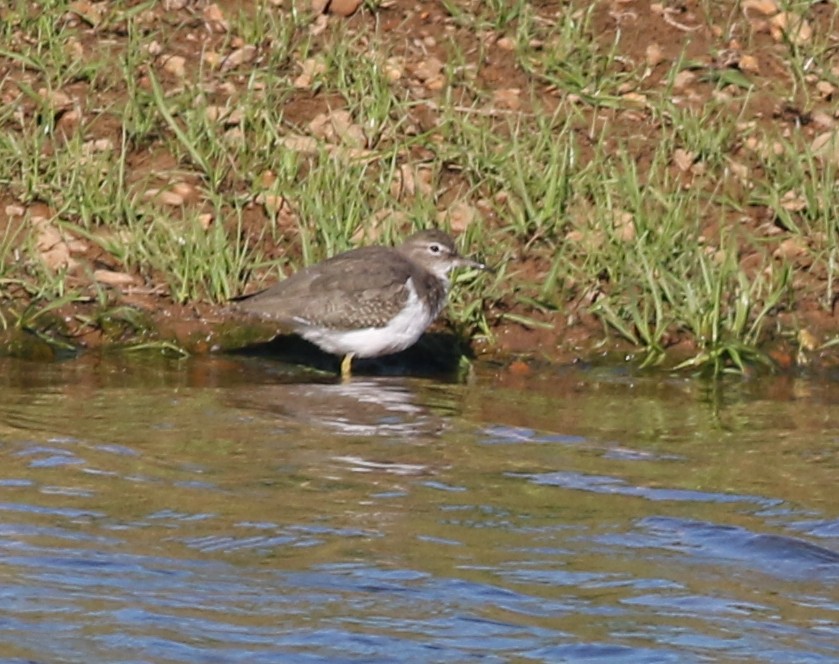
(627, 205)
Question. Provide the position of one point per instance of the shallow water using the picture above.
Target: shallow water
(231, 509)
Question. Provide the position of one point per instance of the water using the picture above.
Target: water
(232, 509)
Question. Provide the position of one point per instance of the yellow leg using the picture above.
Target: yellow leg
(346, 366)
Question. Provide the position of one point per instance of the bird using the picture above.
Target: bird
(366, 302)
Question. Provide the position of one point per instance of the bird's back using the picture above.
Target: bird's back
(363, 287)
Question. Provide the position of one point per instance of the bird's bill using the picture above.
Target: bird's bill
(468, 262)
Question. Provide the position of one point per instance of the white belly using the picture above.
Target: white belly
(400, 333)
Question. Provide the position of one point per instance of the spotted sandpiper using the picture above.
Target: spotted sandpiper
(366, 302)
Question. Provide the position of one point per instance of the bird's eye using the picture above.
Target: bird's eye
(434, 248)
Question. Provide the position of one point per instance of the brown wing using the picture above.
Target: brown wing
(360, 288)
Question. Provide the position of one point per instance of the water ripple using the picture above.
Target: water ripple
(617, 486)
